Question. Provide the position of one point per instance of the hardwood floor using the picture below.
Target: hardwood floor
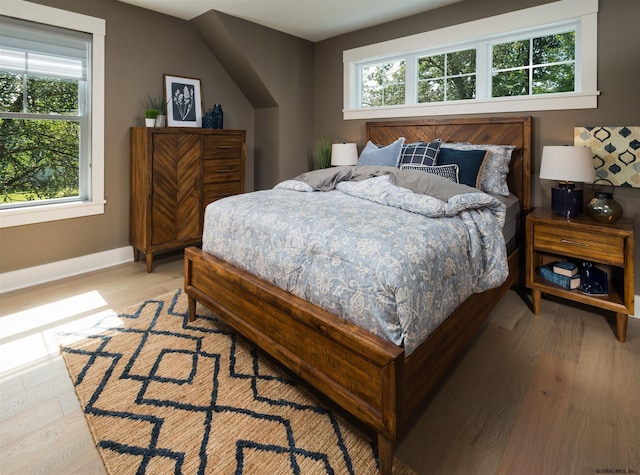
(553, 394)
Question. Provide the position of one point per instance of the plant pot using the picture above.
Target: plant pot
(150, 122)
(161, 120)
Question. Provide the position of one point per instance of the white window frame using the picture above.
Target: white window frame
(585, 96)
(95, 203)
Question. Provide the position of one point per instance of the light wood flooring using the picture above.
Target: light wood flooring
(553, 394)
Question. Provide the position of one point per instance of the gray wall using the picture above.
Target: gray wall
(287, 92)
(141, 46)
(618, 73)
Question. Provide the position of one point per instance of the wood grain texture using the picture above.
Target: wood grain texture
(175, 173)
(552, 238)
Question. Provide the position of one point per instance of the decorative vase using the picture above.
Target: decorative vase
(161, 120)
(217, 117)
(207, 120)
(150, 122)
(602, 207)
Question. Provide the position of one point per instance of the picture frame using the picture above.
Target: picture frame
(183, 98)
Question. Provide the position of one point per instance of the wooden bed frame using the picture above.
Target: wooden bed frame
(364, 374)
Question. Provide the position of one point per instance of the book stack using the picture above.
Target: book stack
(564, 273)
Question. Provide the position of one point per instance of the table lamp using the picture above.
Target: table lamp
(344, 154)
(567, 165)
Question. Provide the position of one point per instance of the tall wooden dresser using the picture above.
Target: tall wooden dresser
(175, 174)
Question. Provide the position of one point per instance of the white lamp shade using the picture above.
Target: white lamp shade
(564, 163)
(344, 154)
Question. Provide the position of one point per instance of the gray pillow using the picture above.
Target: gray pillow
(388, 156)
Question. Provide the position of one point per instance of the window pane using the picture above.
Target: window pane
(11, 92)
(431, 67)
(557, 78)
(431, 91)
(383, 84)
(39, 159)
(371, 97)
(554, 48)
(510, 83)
(461, 62)
(52, 96)
(394, 95)
(514, 54)
(461, 88)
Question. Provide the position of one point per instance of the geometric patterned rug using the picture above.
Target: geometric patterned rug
(164, 395)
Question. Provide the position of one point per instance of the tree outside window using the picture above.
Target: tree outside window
(383, 84)
(447, 76)
(539, 65)
(43, 114)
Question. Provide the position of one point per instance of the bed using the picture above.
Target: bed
(371, 378)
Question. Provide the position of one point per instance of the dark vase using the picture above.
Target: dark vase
(207, 120)
(217, 117)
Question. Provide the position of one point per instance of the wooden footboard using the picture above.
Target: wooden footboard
(363, 374)
(357, 370)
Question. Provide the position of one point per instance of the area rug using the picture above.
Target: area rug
(162, 395)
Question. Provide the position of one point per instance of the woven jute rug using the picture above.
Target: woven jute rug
(162, 395)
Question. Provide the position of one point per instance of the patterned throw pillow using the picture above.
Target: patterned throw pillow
(420, 153)
(445, 171)
(382, 156)
(494, 174)
(470, 163)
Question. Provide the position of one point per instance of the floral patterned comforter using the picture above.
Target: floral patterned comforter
(389, 260)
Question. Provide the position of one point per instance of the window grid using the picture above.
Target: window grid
(484, 70)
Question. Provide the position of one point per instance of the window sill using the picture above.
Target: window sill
(565, 101)
(52, 212)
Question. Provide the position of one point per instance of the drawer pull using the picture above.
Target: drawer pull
(223, 171)
(575, 243)
(225, 147)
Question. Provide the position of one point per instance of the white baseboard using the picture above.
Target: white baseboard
(21, 278)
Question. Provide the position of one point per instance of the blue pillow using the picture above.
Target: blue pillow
(446, 171)
(382, 156)
(420, 153)
(469, 162)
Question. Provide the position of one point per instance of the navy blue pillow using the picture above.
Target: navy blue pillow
(469, 162)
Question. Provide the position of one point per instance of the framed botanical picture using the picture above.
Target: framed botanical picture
(184, 101)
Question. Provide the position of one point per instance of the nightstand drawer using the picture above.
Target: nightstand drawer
(581, 244)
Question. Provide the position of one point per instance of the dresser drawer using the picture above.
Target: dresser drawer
(606, 249)
(217, 171)
(222, 146)
(216, 191)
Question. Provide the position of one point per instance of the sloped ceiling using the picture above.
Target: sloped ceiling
(313, 20)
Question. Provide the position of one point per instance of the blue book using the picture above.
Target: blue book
(546, 272)
(565, 268)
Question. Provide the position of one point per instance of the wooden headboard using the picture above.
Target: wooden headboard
(495, 130)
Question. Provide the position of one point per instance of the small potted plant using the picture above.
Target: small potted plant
(323, 153)
(154, 114)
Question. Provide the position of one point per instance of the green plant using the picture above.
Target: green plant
(153, 107)
(323, 153)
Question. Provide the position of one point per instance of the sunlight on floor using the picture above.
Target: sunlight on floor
(32, 335)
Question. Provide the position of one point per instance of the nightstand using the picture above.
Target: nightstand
(610, 246)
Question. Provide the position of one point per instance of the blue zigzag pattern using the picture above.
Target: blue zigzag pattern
(152, 450)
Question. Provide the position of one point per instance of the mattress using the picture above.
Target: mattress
(389, 260)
